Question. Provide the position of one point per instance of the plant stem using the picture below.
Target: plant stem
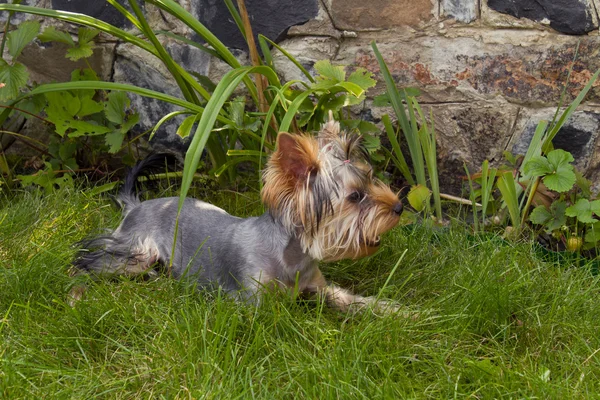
(532, 193)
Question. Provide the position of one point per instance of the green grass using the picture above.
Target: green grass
(493, 321)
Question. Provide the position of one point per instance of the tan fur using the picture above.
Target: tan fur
(334, 164)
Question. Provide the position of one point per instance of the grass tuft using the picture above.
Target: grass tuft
(489, 320)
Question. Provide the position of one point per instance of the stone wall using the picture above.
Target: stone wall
(489, 69)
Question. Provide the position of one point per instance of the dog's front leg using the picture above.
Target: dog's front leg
(345, 300)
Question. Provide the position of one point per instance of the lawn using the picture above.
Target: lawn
(489, 320)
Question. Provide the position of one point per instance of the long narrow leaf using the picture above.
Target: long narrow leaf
(163, 54)
(569, 111)
(472, 198)
(184, 16)
(221, 94)
(507, 185)
(81, 19)
(288, 55)
(409, 129)
(401, 161)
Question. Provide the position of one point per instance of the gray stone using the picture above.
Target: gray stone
(461, 10)
(321, 25)
(46, 62)
(271, 18)
(470, 134)
(17, 18)
(306, 50)
(578, 136)
(567, 16)
(462, 69)
(136, 67)
(97, 9)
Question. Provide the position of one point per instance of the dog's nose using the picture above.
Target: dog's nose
(398, 208)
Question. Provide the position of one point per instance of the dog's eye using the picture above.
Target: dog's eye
(355, 196)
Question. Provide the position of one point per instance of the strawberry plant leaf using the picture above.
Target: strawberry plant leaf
(592, 235)
(537, 166)
(583, 210)
(21, 37)
(86, 35)
(540, 215)
(362, 78)
(83, 50)
(114, 140)
(327, 71)
(14, 77)
(51, 34)
(116, 106)
(561, 181)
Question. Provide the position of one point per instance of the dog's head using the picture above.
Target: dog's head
(323, 189)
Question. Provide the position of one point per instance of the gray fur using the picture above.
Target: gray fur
(212, 246)
(240, 255)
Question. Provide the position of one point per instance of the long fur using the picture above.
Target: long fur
(323, 204)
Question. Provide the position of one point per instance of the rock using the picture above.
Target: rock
(470, 134)
(578, 136)
(461, 10)
(97, 9)
(46, 62)
(17, 18)
(360, 15)
(271, 18)
(306, 50)
(134, 66)
(321, 25)
(471, 69)
(574, 17)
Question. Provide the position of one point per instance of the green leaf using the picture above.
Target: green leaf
(560, 158)
(540, 215)
(592, 235)
(51, 34)
(14, 77)
(86, 35)
(114, 140)
(83, 50)
(115, 107)
(326, 70)
(552, 219)
(556, 170)
(382, 100)
(583, 210)
(537, 166)
(101, 189)
(186, 126)
(362, 78)
(82, 128)
(418, 197)
(21, 37)
(584, 184)
(561, 181)
(131, 121)
(89, 107)
(33, 104)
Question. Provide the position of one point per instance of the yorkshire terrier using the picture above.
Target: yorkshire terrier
(323, 203)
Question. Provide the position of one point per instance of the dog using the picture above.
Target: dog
(323, 204)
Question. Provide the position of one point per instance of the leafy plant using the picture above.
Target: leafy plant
(418, 132)
(82, 119)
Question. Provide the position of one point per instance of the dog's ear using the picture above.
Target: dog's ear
(296, 156)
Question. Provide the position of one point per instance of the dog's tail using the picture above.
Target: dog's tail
(128, 195)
